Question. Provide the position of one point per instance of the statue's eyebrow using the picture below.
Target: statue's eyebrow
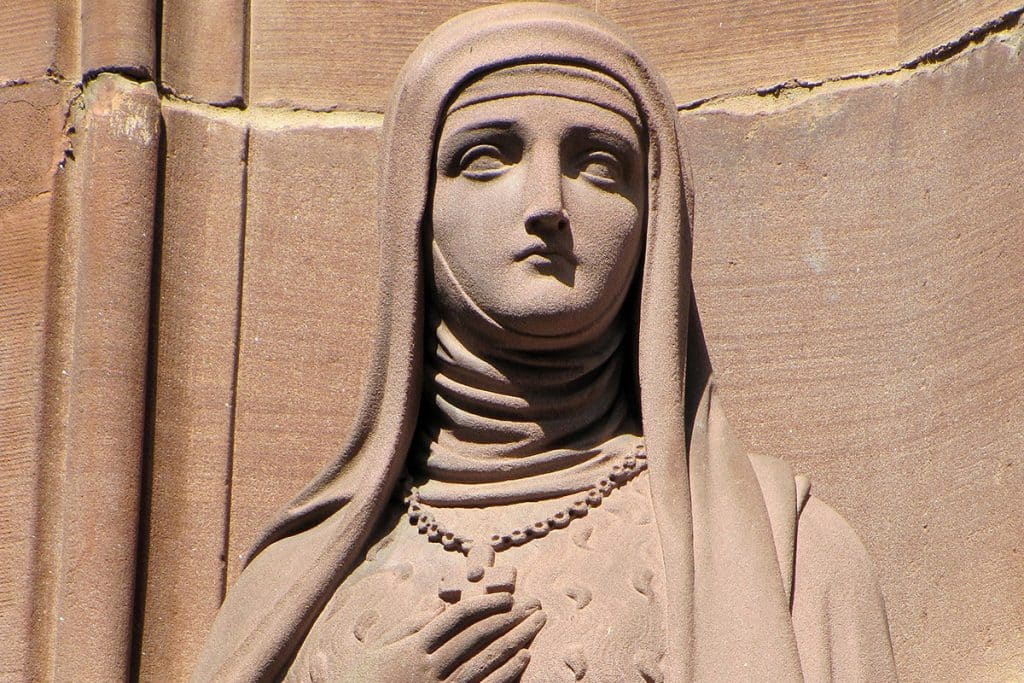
(607, 135)
(453, 141)
(485, 126)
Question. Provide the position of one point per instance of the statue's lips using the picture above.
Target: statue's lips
(543, 253)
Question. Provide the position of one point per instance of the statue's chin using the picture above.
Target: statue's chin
(552, 310)
(528, 302)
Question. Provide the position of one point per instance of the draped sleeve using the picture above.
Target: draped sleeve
(838, 611)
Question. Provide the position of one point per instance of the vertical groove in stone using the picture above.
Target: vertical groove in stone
(307, 313)
(119, 35)
(31, 120)
(95, 389)
(246, 49)
(229, 469)
(193, 397)
(60, 298)
(204, 50)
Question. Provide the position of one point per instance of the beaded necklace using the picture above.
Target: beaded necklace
(632, 464)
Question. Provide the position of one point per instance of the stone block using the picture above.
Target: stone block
(95, 385)
(193, 386)
(708, 48)
(310, 55)
(119, 36)
(203, 53)
(325, 56)
(308, 311)
(927, 24)
(31, 146)
(29, 33)
(857, 264)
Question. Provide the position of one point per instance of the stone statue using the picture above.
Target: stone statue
(541, 484)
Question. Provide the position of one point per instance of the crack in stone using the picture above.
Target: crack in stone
(74, 105)
(30, 80)
(136, 74)
(165, 90)
(972, 38)
(276, 117)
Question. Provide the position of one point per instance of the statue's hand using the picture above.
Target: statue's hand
(480, 638)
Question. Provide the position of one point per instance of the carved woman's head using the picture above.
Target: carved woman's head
(539, 200)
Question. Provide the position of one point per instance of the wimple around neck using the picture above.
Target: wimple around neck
(498, 415)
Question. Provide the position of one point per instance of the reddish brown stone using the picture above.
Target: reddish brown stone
(912, 181)
(729, 47)
(734, 46)
(344, 56)
(193, 399)
(926, 24)
(896, 346)
(307, 312)
(859, 272)
(321, 56)
(28, 34)
(39, 39)
(95, 385)
(203, 52)
(462, 377)
(31, 144)
(119, 35)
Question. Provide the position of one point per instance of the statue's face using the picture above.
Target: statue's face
(538, 210)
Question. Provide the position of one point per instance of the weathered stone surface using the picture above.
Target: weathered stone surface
(29, 33)
(97, 334)
(935, 435)
(524, 393)
(338, 56)
(307, 319)
(31, 127)
(203, 52)
(193, 391)
(733, 46)
(926, 24)
(344, 56)
(888, 325)
(860, 277)
(119, 35)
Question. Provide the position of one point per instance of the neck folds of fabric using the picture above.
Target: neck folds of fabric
(511, 418)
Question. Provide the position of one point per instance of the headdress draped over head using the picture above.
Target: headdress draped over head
(558, 80)
(727, 522)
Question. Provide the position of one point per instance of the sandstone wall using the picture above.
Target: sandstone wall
(187, 262)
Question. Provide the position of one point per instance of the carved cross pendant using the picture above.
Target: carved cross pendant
(480, 577)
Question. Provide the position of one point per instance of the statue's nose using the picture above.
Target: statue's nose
(545, 206)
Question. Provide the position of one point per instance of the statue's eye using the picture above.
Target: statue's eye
(601, 167)
(480, 162)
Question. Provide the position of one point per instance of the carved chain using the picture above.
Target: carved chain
(632, 464)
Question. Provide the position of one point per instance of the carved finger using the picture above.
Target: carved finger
(462, 614)
(511, 670)
(476, 637)
(495, 655)
(413, 625)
